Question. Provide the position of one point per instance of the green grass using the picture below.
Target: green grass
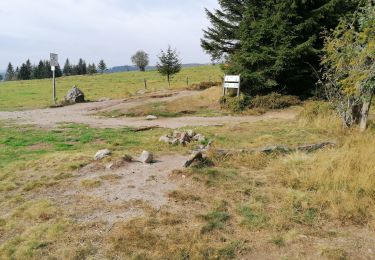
(19, 95)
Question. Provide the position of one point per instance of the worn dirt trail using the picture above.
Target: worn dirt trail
(86, 113)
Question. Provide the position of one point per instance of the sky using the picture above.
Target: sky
(112, 30)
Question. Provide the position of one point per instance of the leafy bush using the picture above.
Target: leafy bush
(235, 104)
(274, 101)
(205, 85)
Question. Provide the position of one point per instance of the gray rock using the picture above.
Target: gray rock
(191, 133)
(101, 154)
(199, 138)
(75, 95)
(146, 157)
(195, 156)
(151, 117)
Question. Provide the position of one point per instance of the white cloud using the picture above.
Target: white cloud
(94, 29)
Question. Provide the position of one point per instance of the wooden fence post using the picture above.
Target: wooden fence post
(145, 80)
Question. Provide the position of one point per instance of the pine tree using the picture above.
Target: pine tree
(16, 74)
(169, 63)
(274, 45)
(10, 74)
(91, 69)
(102, 66)
(23, 72)
(29, 69)
(67, 70)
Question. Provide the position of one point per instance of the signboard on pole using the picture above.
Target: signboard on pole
(54, 60)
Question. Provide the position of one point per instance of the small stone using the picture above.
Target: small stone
(146, 157)
(109, 166)
(199, 138)
(151, 117)
(191, 133)
(164, 139)
(101, 154)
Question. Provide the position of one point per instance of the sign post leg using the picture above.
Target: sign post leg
(54, 87)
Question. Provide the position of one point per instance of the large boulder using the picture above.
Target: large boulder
(75, 95)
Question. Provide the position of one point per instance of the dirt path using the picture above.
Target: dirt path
(86, 114)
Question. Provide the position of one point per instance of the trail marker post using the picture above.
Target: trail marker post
(232, 82)
(54, 63)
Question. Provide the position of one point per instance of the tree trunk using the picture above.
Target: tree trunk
(365, 111)
(169, 81)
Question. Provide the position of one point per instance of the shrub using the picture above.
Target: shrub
(274, 101)
(235, 104)
(205, 85)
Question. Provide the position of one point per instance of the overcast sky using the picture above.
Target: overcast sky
(96, 29)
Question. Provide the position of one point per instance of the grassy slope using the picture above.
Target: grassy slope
(37, 93)
(240, 206)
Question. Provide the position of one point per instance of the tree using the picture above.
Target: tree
(1, 77)
(81, 68)
(91, 69)
(67, 70)
(102, 66)
(169, 63)
(23, 72)
(9, 74)
(349, 63)
(141, 60)
(274, 45)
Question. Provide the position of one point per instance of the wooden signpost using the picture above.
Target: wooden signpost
(54, 63)
(232, 82)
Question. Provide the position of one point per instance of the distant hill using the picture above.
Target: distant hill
(134, 68)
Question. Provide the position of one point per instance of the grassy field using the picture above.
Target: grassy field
(18, 95)
(292, 206)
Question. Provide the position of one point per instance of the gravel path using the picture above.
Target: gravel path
(85, 113)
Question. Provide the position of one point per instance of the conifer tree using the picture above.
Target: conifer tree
(67, 70)
(10, 73)
(169, 63)
(102, 66)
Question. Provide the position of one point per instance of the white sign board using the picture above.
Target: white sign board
(54, 60)
(232, 82)
(232, 78)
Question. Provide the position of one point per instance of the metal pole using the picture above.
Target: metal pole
(54, 87)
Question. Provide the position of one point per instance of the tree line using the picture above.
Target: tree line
(43, 70)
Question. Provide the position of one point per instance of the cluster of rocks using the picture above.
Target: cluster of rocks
(182, 138)
(145, 157)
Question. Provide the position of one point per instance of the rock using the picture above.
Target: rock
(151, 117)
(195, 156)
(274, 148)
(313, 147)
(191, 133)
(101, 154)
(146, 157)
(173, 141)
(184, 139)
(199, 138)
(109, 166)
(75, 95)
(164, 139)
